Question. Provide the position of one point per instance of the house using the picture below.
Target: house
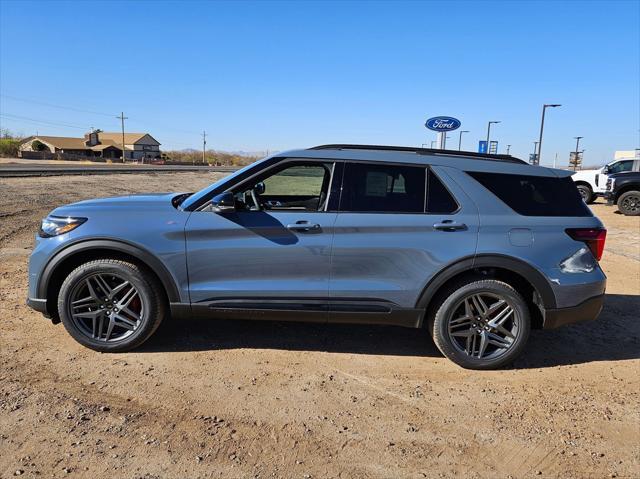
(137, 145)
(98, 143)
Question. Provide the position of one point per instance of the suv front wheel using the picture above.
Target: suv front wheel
(481, 324)
(110, 305)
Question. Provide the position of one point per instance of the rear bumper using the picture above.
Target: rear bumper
(588, 310)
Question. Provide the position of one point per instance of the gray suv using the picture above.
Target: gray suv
(478, 249)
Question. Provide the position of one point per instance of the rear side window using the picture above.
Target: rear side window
(535, 195)
(383, 188)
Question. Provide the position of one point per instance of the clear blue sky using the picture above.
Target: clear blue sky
(276, 75)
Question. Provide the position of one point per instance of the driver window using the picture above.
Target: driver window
(300, 187)
(621, 166)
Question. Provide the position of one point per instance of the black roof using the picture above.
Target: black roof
(421, 151)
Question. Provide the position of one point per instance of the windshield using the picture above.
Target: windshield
(194, 198)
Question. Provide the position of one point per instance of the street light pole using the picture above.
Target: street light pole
(544, 108)
(489, 132)
(508, 149)
(460, 139)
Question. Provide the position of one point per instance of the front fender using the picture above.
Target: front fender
(83, 246)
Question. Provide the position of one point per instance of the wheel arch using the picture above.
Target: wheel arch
(522, 276)
(63, 262)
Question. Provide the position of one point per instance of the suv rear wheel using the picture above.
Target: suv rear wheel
(110, 305)
(629, 203)
(481, 324)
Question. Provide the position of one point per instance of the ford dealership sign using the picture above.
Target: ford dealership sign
(442, 123)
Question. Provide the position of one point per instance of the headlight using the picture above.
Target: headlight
(611, 182)
(56, 225)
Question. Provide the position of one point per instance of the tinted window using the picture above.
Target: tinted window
(621, 166)
(387, 188)
(535, 195)
(439, 200)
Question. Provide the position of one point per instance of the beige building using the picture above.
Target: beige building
(620, 154)
(95, 144)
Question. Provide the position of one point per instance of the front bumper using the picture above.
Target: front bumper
(610, 197)
(588, 310)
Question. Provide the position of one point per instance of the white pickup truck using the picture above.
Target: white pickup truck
(593, 183)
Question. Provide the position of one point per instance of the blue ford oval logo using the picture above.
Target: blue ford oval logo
(442, 123)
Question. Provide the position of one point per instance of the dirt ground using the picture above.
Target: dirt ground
(240, 399)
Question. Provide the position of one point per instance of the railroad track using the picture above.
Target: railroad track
(10, 171)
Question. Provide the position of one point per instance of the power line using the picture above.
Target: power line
(36, 102)
(76, 127)
(93, 112)
(44, 122)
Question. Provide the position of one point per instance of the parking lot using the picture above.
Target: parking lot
(253, 399)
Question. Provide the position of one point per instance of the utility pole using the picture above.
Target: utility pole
(460, 139)
(544, 107)
(122, 119)
(204, 145)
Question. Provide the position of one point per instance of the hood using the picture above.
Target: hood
(625, 174)
(585, 173)
(145, 201)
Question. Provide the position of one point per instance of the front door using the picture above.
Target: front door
(272, 255)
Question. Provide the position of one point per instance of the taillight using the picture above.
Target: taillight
(594, 238)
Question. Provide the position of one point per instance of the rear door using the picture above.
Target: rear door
(396, 227)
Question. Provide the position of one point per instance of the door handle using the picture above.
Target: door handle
(449, 225)
(303, 226)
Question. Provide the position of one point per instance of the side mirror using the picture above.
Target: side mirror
(259, 188)
(224, 203)
(606, 169)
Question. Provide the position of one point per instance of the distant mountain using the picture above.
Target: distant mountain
(259, 154)
(250, 153)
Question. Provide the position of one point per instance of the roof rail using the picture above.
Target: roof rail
(422, 151)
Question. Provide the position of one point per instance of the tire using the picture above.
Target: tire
(119, 321)
(629, 203)
(586, 193)
(453, 333)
